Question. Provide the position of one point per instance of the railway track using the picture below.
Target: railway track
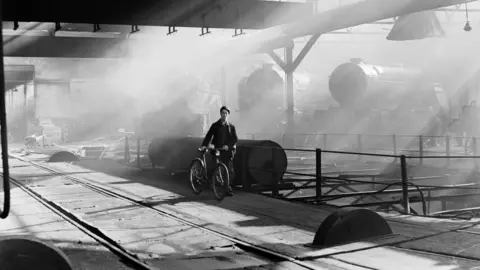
(130, 258)
(136, 262)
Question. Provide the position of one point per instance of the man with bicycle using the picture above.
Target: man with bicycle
(224, 136)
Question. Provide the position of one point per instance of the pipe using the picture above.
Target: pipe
(4, 135)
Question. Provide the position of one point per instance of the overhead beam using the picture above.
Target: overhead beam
(19, 73)
(327, 21)
(277, 59)
(16, 75)
(65, 47)
(240, 14)
(311, 41)
(289, 65)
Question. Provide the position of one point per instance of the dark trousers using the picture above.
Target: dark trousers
(226, 157)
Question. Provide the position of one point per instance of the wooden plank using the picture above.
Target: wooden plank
(276, 266)
(223, 258)
(418, 229)
(395, 258)
(322, 264)
(454, 243)
(330, 263)
(438, 223)
(351, 247)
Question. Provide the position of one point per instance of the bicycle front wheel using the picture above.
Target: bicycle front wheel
(220, 181)
(196, 174)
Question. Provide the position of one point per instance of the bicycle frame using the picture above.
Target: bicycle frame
(204, 160)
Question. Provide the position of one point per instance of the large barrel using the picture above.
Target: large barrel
(175, 155)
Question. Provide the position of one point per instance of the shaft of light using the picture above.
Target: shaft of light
(335, 19)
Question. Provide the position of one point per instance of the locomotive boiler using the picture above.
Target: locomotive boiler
(261, 98)
(358, 85)
(265, 85)
(357, 93)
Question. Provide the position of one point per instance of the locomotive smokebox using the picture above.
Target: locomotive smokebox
(356, 83)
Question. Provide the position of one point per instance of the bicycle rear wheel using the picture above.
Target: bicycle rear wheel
(220, 180)
(196, 174)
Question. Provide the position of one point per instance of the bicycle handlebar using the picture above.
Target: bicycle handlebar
(210, 149)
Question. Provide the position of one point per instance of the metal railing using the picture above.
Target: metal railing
(352, 175)
(324, 183)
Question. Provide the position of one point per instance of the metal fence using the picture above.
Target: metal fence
(383, 181)
(364, 170)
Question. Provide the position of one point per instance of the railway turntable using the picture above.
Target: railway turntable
(277, 234)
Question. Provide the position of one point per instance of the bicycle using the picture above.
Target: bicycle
(199, 174)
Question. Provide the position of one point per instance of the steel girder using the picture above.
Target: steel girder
(238, 14)
(331, 20)
(65, 47)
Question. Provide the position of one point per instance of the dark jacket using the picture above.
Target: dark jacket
(223, 134)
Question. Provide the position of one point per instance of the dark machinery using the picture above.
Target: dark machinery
(174, 154)
(186, 111)
(174, 119)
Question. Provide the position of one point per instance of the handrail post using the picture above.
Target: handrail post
(447, 149)
(394, 144)
(138, 153)
(126, 155)
(359, 146)
(420, 148)
(318, 174)
(246, 185)
(403, 166)
(474, 150)
(274, 174)
(474, 145)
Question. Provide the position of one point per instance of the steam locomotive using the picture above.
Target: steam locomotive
(356, 98)
(380, 97)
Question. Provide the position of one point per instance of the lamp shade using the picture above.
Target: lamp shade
(416, 26)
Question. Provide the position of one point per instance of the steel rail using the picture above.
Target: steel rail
(249, 247)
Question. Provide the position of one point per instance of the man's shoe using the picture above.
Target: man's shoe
(230, 192)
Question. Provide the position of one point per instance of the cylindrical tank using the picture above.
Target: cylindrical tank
(356, 82)
(175, 155)
(262, 157)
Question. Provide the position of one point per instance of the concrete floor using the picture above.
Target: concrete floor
(28, 217)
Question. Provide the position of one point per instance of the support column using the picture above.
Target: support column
(223, 86)
(35, 97)
(25, 110)
(289, 96)
(289, 65)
